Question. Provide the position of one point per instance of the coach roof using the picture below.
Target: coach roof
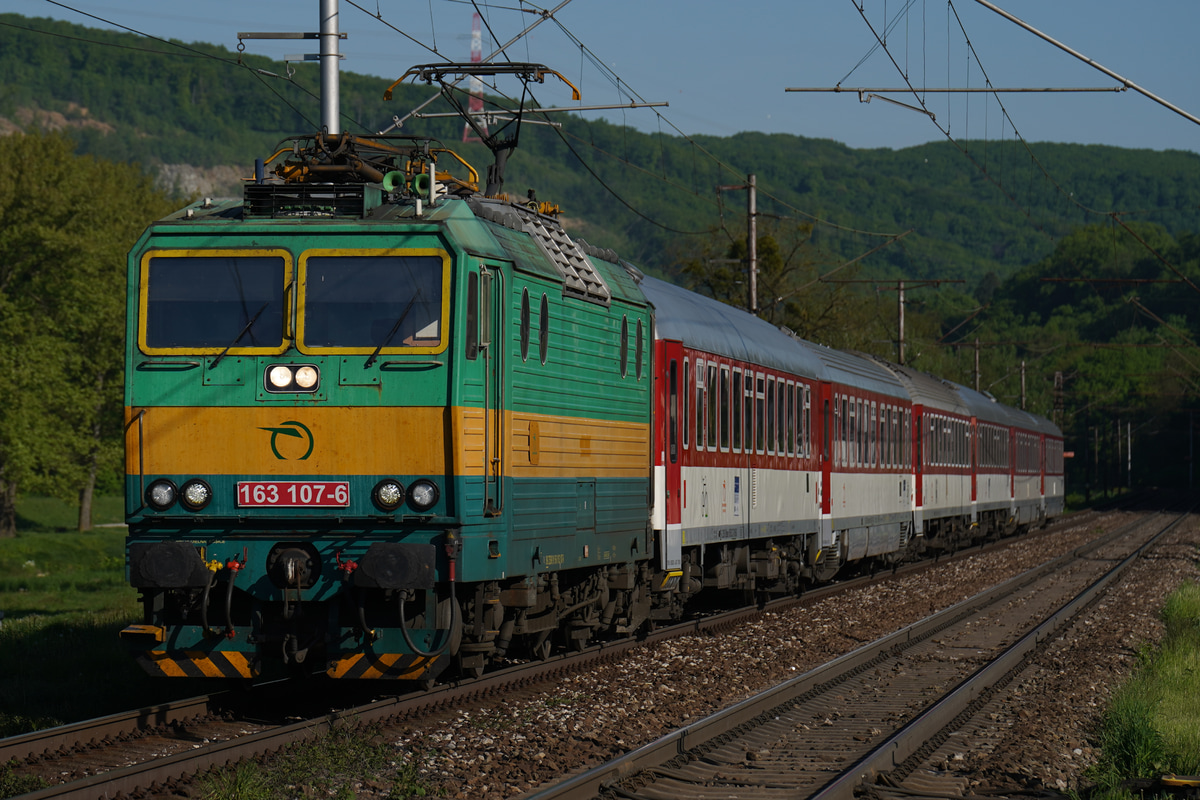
(705, 324)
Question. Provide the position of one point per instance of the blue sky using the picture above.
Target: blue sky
(723, 67)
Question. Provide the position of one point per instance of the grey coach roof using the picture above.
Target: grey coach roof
(706, 324)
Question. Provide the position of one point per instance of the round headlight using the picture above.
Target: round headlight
(195, 494)
(280, 376)
(306, 377)
(388, 494)
(422, 495)
(161, 495)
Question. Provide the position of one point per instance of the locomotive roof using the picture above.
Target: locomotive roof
(706, 324)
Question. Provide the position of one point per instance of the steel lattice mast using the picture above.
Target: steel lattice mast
(475, 107)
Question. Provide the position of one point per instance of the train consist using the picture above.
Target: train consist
(380, 424)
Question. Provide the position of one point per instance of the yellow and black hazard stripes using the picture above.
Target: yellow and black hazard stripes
(198, 664)
(388, 666)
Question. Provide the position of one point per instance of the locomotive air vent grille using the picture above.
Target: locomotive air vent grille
(579, 276)
(275, 200)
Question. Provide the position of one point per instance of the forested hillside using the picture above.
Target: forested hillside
(653, 198)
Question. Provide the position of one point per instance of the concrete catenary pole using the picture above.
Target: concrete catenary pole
(330, 57)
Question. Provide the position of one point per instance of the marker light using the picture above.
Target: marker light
(422, 495)
(160, 495)
(195, 494)
(388, 494)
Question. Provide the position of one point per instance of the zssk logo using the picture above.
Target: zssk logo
(293, 429)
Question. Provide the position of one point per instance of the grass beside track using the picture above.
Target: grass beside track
(1152, 725)
(64, 598)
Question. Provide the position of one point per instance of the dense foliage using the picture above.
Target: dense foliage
(1013, 227)
(67, 222)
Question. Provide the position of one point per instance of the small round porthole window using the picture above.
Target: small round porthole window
(638, 351)
(624, 346)
(524, 324)
(544, 329)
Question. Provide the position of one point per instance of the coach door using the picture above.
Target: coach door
(671, 451)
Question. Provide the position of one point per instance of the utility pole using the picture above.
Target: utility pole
(751, 238)
(977, 363)
(901, 287)
(329, 37)
(330, 58)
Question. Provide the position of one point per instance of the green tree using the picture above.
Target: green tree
(66, 223)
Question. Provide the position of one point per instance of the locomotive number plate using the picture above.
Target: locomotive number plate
(306, 494)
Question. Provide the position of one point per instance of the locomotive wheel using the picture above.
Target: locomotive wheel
(470, 665)
(540, 649)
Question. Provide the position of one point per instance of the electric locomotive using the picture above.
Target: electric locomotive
(374, 427)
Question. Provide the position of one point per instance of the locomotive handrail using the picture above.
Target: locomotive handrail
(141, 456)
(146, 365)
(433, 363)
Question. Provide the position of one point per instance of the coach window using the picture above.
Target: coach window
(748, 411)
(699, 418)
(725, 408)
(791, 418)
(739, 400)
(525, 324)
(712, 394)
(760, 413)
(806, 422)
(673, 412)
(906, 441)
(863, 428)
(837, 430)
(855, 438)
(883, 450)
(687, 394)
(825, 429)
(876, 440)
(897, 455)
(770, 415)
(887, 429)
(781, 412)
(844, 433)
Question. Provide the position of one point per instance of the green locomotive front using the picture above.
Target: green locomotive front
(380, 428)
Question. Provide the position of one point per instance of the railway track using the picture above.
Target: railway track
(156, 749)
(882, 715)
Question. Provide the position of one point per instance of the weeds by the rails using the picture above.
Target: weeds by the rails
(1152, 726)
(336, 765)
(12, 785)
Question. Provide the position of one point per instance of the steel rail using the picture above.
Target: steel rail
(900, 747)
(593, 782)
